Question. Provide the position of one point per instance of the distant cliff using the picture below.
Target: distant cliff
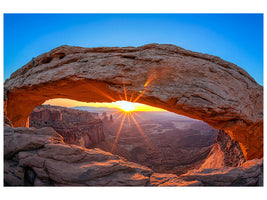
(76, 127)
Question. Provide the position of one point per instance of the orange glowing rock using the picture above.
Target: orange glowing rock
(196, 85)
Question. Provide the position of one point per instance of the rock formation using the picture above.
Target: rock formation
(196, 85)
(225, 152)
(249, 173)
(77, 127)
(39, 157)
(188, 151)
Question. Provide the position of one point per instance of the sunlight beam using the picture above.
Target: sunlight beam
(140, 95)
(129, 122)
(139, 116)
(118, 117)
(141, 132)
(118, 134)
(99, 91)
(121, 99)
(131, 98)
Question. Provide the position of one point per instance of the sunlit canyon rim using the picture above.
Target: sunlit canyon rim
(196, 85)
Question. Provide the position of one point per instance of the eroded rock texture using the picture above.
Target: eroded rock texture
(196, 85)
(250, 173)
(225, 152)
(75, 126)
(39, 157)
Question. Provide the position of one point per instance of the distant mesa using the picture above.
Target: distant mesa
(75, 126)
(96, 109)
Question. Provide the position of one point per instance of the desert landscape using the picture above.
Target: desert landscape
(222, 145)
(171, 143)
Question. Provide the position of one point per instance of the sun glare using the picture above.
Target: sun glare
(126, 106)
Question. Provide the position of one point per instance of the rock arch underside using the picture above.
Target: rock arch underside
(196, 85)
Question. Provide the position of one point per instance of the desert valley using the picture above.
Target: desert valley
(220, 145)
(164, 141)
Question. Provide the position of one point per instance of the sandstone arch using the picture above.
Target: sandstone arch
(196, 85)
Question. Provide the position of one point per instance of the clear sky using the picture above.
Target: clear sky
(237, 38)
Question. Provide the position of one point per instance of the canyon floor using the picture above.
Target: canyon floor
(40, 157)
(70, 147)
(163, 141)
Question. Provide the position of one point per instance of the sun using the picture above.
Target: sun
(126, 106)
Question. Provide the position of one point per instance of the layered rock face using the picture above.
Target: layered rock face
(196, 85)
(40, 157)
(76, 126)
(225, 152)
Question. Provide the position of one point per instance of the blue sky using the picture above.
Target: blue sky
(237, 38)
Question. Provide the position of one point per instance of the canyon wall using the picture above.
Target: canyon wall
(192, 149)
(75, 126)
(168, 156)
(196, 85)
(225, 152)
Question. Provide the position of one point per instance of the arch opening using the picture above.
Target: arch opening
(92, 91)
(196, 85)
(161, 140)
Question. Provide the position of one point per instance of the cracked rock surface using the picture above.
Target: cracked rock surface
(39, 157)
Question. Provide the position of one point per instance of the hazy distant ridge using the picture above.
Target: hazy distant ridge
(96, 109)
(146, 114)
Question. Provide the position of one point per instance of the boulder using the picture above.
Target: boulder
(23, 139)
(41, 158)
(248, 174)
(13, 174)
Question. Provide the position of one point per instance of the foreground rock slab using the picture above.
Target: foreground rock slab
(39, 157)
(249, 173)
(49, 161)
